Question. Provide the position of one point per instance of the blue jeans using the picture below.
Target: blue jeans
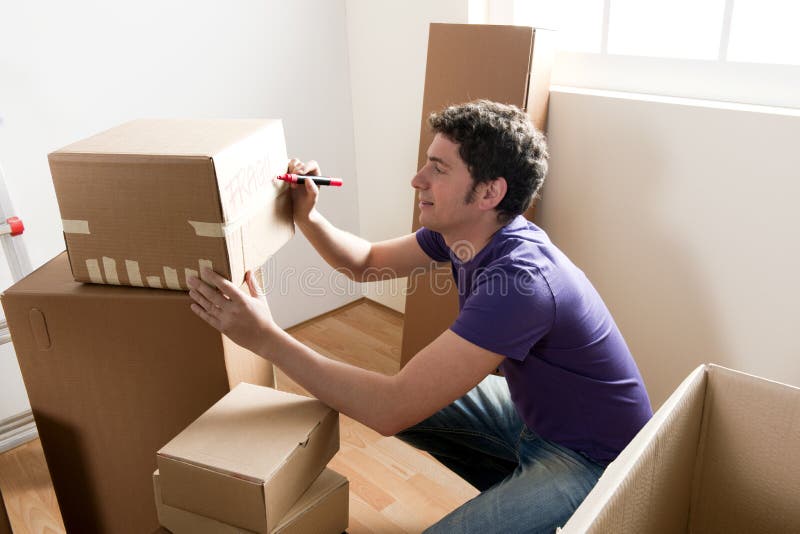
(527, 483)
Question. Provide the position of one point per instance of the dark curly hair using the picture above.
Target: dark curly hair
(497, 140)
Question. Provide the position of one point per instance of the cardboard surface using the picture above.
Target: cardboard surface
(112, 374)
(149, 201)
(721, 455)
(515, 64)
(249, 458)
(322, 509)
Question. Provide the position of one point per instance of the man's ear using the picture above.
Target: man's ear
(493, 193)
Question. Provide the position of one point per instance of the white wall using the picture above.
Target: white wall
(684, 215)
(70, 69)
(388, 44)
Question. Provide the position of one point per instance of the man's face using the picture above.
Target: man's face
(443, 186)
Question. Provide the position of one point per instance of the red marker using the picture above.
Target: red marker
(319, 180)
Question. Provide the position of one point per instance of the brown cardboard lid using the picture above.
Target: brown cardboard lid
(168, 137)
(249, 433)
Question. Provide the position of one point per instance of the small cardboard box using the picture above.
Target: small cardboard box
(721, 455)
(322, 509)
(250, 457)
(112, 374)
(150, 202)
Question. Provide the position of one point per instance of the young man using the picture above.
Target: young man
(534, 442)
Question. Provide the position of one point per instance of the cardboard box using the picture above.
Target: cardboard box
(112, 374)
(248, 459)
(721, 455)
(515, 63)
(322, 509)
(151, 201)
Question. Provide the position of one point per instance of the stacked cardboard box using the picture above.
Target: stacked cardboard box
(113, 373)
(254, 462)
(150, 202)
(721, 455)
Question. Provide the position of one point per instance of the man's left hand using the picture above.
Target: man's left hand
(245, 319)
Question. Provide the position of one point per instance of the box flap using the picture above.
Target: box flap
(748, 466)
(648, 487)
(231, 436)
(168, 137)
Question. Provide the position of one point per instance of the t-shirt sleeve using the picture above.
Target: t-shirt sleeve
(508, 311)
(432, 243)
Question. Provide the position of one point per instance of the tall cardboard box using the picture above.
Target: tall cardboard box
(322, 509)
(150, 202)
(721, 455)
(112, 374)
(249, 458)
(514, 63)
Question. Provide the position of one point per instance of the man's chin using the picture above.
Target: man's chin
(425, 221)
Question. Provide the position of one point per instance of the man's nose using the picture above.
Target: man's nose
(419, 181)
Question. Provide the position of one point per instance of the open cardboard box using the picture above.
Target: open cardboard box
(249, 458)
(322, 509)
(721, 455)
(150, 202)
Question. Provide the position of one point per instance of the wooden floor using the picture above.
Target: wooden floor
(393, 487)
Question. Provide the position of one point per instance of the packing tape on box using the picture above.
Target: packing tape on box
(171, 277)
(190, 272)
(94, 271)
(110, 268)
(205, 263)
(74, 226)
(134, 275)
(217, 229)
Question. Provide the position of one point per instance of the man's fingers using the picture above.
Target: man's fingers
(293, 164)
(225, 286)
(251, 284)
(312, 168)
(206, 304)
(209, 292)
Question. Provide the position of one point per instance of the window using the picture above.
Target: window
(745, 51)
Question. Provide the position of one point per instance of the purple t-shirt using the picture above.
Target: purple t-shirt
(571, 375)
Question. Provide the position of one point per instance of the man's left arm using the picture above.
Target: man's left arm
(439, 374)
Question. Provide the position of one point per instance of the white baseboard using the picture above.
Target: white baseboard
(17, 430)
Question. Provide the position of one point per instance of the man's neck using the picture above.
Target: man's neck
(466, 243)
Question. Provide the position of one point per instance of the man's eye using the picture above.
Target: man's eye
(437, 170)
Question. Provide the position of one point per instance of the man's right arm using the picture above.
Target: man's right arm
(356, 257)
